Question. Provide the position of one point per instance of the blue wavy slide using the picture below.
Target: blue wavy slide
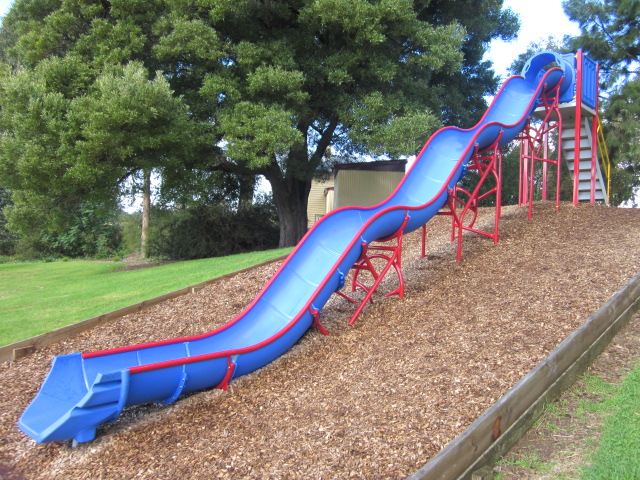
(84, 390)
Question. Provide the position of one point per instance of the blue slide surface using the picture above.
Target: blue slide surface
(84, 390)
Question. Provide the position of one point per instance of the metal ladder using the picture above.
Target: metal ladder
(584, 175)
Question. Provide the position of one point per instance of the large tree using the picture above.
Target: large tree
(271, 84)
(610, 33)
(83, 95)
(60, 149)
(7, 238)
(361, 76)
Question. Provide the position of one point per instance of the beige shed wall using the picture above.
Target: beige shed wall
(319, 203)
(364, 188)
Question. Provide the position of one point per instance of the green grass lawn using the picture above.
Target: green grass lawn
(39, 297)
(618, 455)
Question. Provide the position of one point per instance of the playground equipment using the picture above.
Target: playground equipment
(558, 116)
(84, 390)
(570, 120)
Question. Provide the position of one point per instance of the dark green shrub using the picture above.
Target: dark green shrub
(90, 231)
(213, 230)
(93, 233)
(8, 239)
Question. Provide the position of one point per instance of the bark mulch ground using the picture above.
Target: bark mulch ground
(376, 399)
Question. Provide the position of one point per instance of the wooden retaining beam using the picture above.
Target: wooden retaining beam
(15, 351)
(472, 454)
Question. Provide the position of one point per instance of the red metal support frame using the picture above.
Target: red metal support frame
(545, 166)
(578, 128)
(523, 174)
(534, 147)
(594, 147)
(487, 163)
(392, 255)
(594, 138)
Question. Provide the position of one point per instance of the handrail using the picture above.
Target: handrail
(604, 154)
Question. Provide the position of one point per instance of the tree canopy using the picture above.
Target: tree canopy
(610, 32)
(97, 90)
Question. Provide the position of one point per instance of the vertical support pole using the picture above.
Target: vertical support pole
(525, 164)
(453, 206)
(594, 146)
(559, 163)
(520, 171)
(532, 160)
(498, 197)
(545, 140)
(594, 140)
(578, 127)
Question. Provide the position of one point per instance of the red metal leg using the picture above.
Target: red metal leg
(392, 255)
(231, 366)
(316, 321)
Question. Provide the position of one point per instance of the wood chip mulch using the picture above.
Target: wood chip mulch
(376, 399)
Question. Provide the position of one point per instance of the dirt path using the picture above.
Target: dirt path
(374, 400)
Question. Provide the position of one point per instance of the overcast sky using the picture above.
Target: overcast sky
(4, 6)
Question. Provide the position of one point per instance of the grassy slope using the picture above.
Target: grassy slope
(40, 297)
(617, 456)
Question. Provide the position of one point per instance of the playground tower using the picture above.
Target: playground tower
(569, 124)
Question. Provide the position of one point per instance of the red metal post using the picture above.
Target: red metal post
(498, 197)
(316, 321)
(523, 186)
(559, 159)
(231, 367)
(594, 139)
(578, 127)
(544, 165)
(532, 170)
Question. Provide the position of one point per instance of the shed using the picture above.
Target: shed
(368, 183)
(320, 200)
(354, 184)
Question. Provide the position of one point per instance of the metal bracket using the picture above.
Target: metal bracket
(231, 367)
(316, 320)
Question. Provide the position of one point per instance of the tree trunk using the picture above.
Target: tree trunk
(146, 214)
(247, 188)
(291, 196)
(291, 185)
